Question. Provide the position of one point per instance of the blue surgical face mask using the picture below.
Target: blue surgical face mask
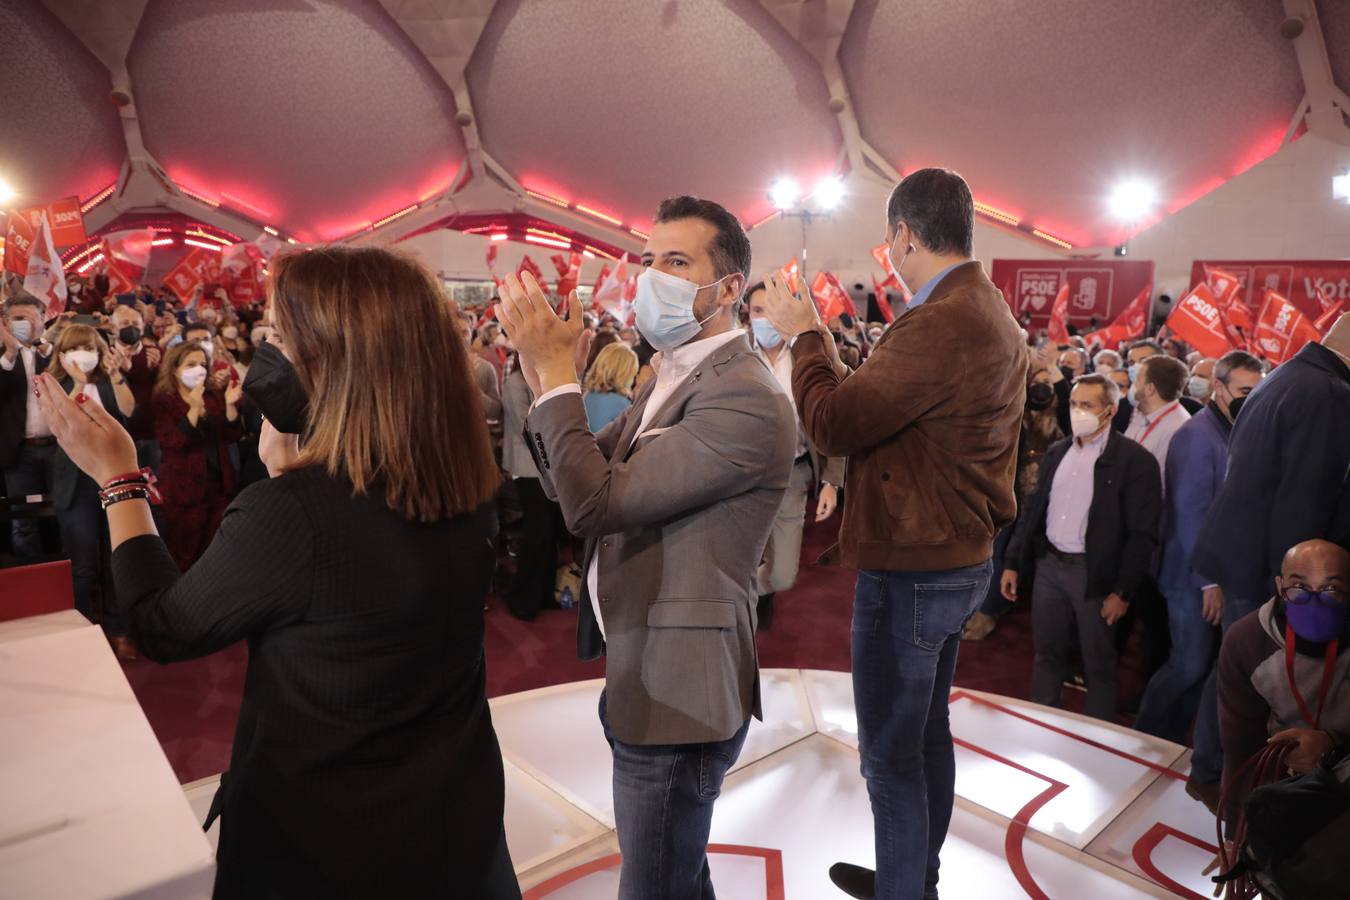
(22, 329)
(665, 308)
(1134, 372)
(765, 334)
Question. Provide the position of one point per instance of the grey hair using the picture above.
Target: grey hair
(1106, 384)
(1236, 359)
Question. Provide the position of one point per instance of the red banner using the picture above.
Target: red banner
(1196, 319)
(883, 300)
(190, 272)
(241, 273)
(1237, 320)
(1297, 280)
(1097, 288)
(1281, 329)
(790, 274)
(64, 218)
(882, 255)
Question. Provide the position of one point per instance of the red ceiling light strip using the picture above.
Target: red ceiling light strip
(548, 242)
(994, 212)
(192, 242)
(237, 201)
(270, 230)
(198, 233)
(548, 198)
(89, 264)
(162, 242)
(598, 252)
(642, 234)
(398, 215)
(1050, 238)
(599, 215)
(500, 236)
(199, 197)
(98, 198)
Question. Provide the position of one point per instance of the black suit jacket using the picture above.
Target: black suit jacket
(364, 761)
(1288, 475)
(1122, 530)
(14, 408)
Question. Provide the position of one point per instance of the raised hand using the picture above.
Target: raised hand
(92, 438)
(545, 343)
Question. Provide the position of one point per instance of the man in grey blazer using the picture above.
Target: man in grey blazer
(675, 499)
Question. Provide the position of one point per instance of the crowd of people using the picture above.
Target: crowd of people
(659, 473)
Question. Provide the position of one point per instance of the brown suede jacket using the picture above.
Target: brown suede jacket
(929, 424)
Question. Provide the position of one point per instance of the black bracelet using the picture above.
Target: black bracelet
(109, 498)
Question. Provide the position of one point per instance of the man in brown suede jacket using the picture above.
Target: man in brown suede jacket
(929, 424)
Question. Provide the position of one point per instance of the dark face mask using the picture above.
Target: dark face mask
(1067, 373)
(1235, 406)
(129, 335)
(1040, 395)
(273, 384)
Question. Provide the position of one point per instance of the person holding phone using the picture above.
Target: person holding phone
(195, 428)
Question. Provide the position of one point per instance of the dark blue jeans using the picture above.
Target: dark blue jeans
(906, 631)
(1173, 694)
(1207, 760)
(663, 807)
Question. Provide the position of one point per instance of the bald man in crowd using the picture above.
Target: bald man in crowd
(1257, 701)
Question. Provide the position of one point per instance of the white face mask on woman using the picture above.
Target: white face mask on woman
(83, 360)
(192, 377)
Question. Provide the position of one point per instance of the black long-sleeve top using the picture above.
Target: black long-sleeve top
(364, 762)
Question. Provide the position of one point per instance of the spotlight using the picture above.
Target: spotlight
(7, 194)
(1121, 250)
(784, 193)
(1131, 200)
(829, 192)
(1340, 187)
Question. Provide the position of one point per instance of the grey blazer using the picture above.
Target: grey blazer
(679, 521)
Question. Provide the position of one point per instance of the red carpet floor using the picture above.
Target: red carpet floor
(193, 705)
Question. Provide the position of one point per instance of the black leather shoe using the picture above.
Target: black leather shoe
(854, 880)
(764, 612)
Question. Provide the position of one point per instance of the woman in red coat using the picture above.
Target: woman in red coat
(195, 428)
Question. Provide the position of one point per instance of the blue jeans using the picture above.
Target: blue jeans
(663, 807)
(906, 631)
(1173, 694)
(1207, 760)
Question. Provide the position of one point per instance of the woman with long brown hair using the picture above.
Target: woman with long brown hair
(364, 763)
(195, 429)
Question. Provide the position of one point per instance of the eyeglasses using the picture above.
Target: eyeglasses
(1301, 595)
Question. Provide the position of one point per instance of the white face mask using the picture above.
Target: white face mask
(84, 360)
(208, 347)
(1084, 423)
(1199, 388)
(665, 308)
(22, 329)
(192, 377)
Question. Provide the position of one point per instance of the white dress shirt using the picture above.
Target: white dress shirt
(34, 424)
(676, 366)
(1071, 492)
(782, 373)
(1154, 432)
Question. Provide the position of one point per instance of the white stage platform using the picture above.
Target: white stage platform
(1049, 804)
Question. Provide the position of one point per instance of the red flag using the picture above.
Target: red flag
(528, 265)
(1237, 319)
(190, 272)
(1130, 324)
(883, 302)
(18, 244)
(118, 282)
(595, 291)
(45, 278)
(612, 292)
(791, 275)
(1328, 318)
(1058, 332)
(241, 273)
(1196, 319)
(830, 296)
(882, 254)
(1323, 300)
(569, 273)
(128, 252)
(1281, 329)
